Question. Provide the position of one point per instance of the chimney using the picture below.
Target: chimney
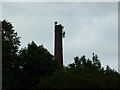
(58, 45)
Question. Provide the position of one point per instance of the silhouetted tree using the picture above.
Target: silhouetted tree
(77, 61)
(10, 44)
(35, 62)
(23, 68)
(96, 61)
(88, 63)
(82, 75)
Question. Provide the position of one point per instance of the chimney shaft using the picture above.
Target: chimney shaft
(58, 45)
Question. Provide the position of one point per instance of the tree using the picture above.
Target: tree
(25, 67)
(77, 61)
(96, 61)
(35, 62)
(82, 75)
(10, 45)
(83, 60)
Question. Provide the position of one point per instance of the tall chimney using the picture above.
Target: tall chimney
(58, 45)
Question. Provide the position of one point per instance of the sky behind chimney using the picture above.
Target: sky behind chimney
(89, 26)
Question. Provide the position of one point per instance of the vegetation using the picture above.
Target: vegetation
(10, 44)
(82, 73)
(23, 68)
(34, 67)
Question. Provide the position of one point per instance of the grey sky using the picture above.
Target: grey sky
(59, 0)
(90, 27)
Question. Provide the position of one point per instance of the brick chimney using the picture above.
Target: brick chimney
(58, 45)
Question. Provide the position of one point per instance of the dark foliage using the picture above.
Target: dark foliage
(10, 44)
(23, 68)
(82, 73)
(34, 62)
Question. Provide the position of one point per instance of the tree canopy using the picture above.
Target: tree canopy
(83, 73)
(23, 68)
(10, 44)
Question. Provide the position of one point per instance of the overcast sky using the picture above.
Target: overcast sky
(90, 27)
(59, 0)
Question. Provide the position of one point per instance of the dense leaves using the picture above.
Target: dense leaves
(33, 63)
(82, 73)
(10, 43)
(23, 68)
